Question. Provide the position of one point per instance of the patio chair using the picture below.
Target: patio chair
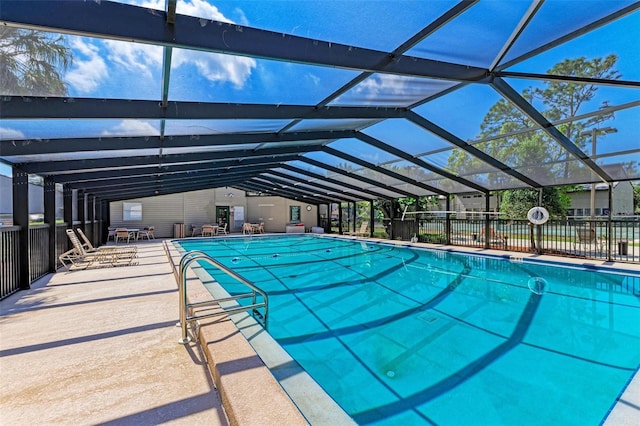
(147, 232)
(208, 231)
(362, 232)
(89, 248)
(588, 240)
(261, 228)
(223, 229)
(124, 234)
(111, 234)
(247, 228)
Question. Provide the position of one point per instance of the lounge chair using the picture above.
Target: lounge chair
(89, 248)
(362, 232)
(78, 257)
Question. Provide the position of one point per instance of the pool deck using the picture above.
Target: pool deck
(100, 346)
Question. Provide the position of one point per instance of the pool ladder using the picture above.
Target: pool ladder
(185, 306)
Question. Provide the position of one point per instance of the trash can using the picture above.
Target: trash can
(623, 248)
(178, 230)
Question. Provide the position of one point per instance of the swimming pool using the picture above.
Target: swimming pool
(406, 335)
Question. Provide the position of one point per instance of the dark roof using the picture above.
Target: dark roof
(385, 121)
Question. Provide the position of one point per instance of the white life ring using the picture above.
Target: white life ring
(538, 215)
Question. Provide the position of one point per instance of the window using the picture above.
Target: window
(132, 211)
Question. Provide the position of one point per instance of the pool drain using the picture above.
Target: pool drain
(391, 374)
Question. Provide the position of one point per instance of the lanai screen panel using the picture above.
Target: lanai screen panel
(393, 163)
(357, 170)
(346, 179)
(392, 90)
(240, 79)
(488, 24)
(559, 18)
(312, 189)
(407, 136)
(385, 57)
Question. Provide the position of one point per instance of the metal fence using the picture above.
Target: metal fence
(9, 260)
(618, 240)
(39, 261)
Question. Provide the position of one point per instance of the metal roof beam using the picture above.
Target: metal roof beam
(249, 186)
(128, 182)
(152, 189)
(470, 149)
(521, 103)
(384, 171)
(53, 167)
(285, 184)
(128, 23)
(313, 186)
(570, 79)
(13, 147)
(81, 176)
(280, 189)
(418, 162)
(355, 176)
(16, 108)
(161, 191)
(321, 178)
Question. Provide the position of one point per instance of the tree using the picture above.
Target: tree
(533, 153)
(636, 198)
(516, 203)
(32, 62)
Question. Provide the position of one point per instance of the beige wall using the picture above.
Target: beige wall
(274, 212)
(199, 207)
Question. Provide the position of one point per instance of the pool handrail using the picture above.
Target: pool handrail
(185, 318)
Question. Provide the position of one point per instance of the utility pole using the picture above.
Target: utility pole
(594, 136)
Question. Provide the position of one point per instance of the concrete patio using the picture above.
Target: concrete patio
(100, 346)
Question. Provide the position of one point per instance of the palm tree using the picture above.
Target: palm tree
(32, 62)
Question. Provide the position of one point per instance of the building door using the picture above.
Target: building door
(222, 215)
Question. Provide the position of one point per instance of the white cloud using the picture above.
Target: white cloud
(242, 17)
(143, 59)
(7, 133)
(383, 83)
(89, 69)
(315, 80)
(216, 67)
(132, 128)
(135, 57)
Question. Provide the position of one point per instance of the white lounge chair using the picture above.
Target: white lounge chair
(363, 232)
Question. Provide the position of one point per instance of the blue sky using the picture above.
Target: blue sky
(113, 69)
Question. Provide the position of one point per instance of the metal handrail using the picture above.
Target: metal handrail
(185, 318)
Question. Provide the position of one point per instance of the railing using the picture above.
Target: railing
(618, 240)
(38, 251)
(186, 307)
(39, 261)
(9, 260)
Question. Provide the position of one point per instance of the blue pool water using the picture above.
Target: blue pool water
(411, 336)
